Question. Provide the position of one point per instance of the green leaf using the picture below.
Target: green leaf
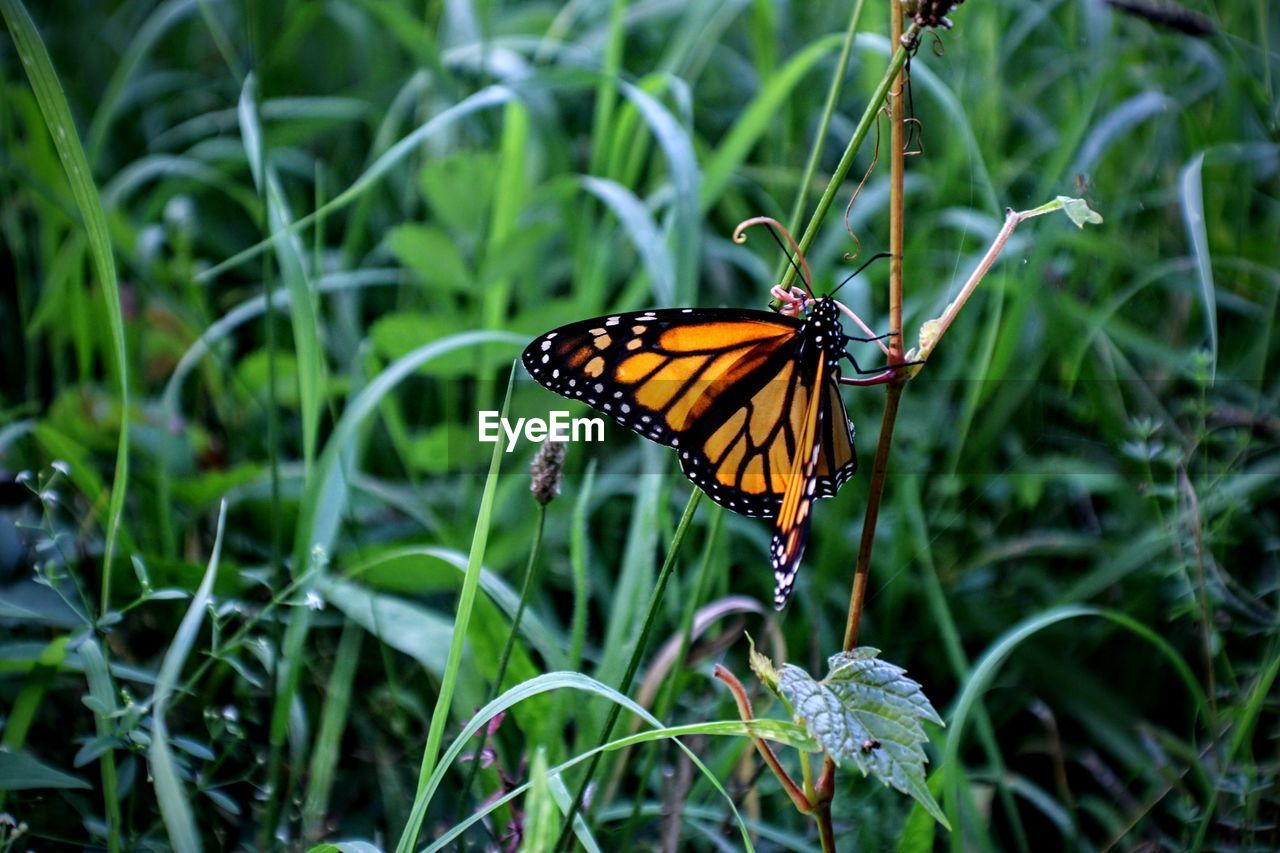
(422, 634)
(20, 771)
(867, 711)
(459, 187)
(1079, 211)
(436, 450)
(253, 373)
(309, 352)
(433, 256)
(396, 335)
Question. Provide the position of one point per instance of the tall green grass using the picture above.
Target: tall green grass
(299, 245)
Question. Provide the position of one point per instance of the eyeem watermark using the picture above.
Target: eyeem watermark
(558, 427)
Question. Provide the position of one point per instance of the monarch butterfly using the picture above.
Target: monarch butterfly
(749, 399)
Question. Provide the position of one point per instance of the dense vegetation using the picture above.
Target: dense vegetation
(1077, 545)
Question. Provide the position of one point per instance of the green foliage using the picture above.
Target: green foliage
(21, 771)
(277, 255)
(868, 713)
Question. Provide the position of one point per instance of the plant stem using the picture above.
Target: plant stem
(897, 172)
(846, 160)
(650, 617)
(530, 572)
(893, 395)
(798, 797)
(828, 110)
(826, 829)
(940, 325)
(879, 468)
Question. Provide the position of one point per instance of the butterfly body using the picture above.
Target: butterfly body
(748, 399)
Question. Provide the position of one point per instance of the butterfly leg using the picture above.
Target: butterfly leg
(881, 378)
(873, 377)
(870, 340)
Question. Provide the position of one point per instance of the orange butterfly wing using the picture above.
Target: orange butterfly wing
(739, 394)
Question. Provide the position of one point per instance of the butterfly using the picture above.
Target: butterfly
(749, 400)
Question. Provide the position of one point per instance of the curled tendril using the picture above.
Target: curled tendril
(848, 208)
(740, 236)
(791, 302)
(914, 134)
(939, 49)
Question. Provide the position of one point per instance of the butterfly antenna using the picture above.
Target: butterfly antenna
(877, 256)
(790, 258)
(801, 268)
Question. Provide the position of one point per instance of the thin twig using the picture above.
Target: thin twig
(932, 331)
(879, 468)
(789, 785)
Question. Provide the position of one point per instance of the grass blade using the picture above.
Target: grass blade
(643, 231)
(783, 731)
(157, 24)
(1191, 194)
(333, 722)
(57, 117)
(758, 117)
(290, 255)
(466, 601)
(995, 656)
(682, 167)
(482, 100)
(174, 806)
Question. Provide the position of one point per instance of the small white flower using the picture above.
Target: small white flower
(61, 467)
(314, 601)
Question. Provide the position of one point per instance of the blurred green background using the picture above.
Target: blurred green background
(1099, 428)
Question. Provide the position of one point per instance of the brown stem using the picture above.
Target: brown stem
(879, 468)
(897, 165)
(826, 829)
(897, 170)
(793, 790)
(825, 788)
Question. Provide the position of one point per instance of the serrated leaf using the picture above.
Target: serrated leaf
(867, 711)
(1079, 211)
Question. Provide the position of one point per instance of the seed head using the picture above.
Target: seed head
(546, 471)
